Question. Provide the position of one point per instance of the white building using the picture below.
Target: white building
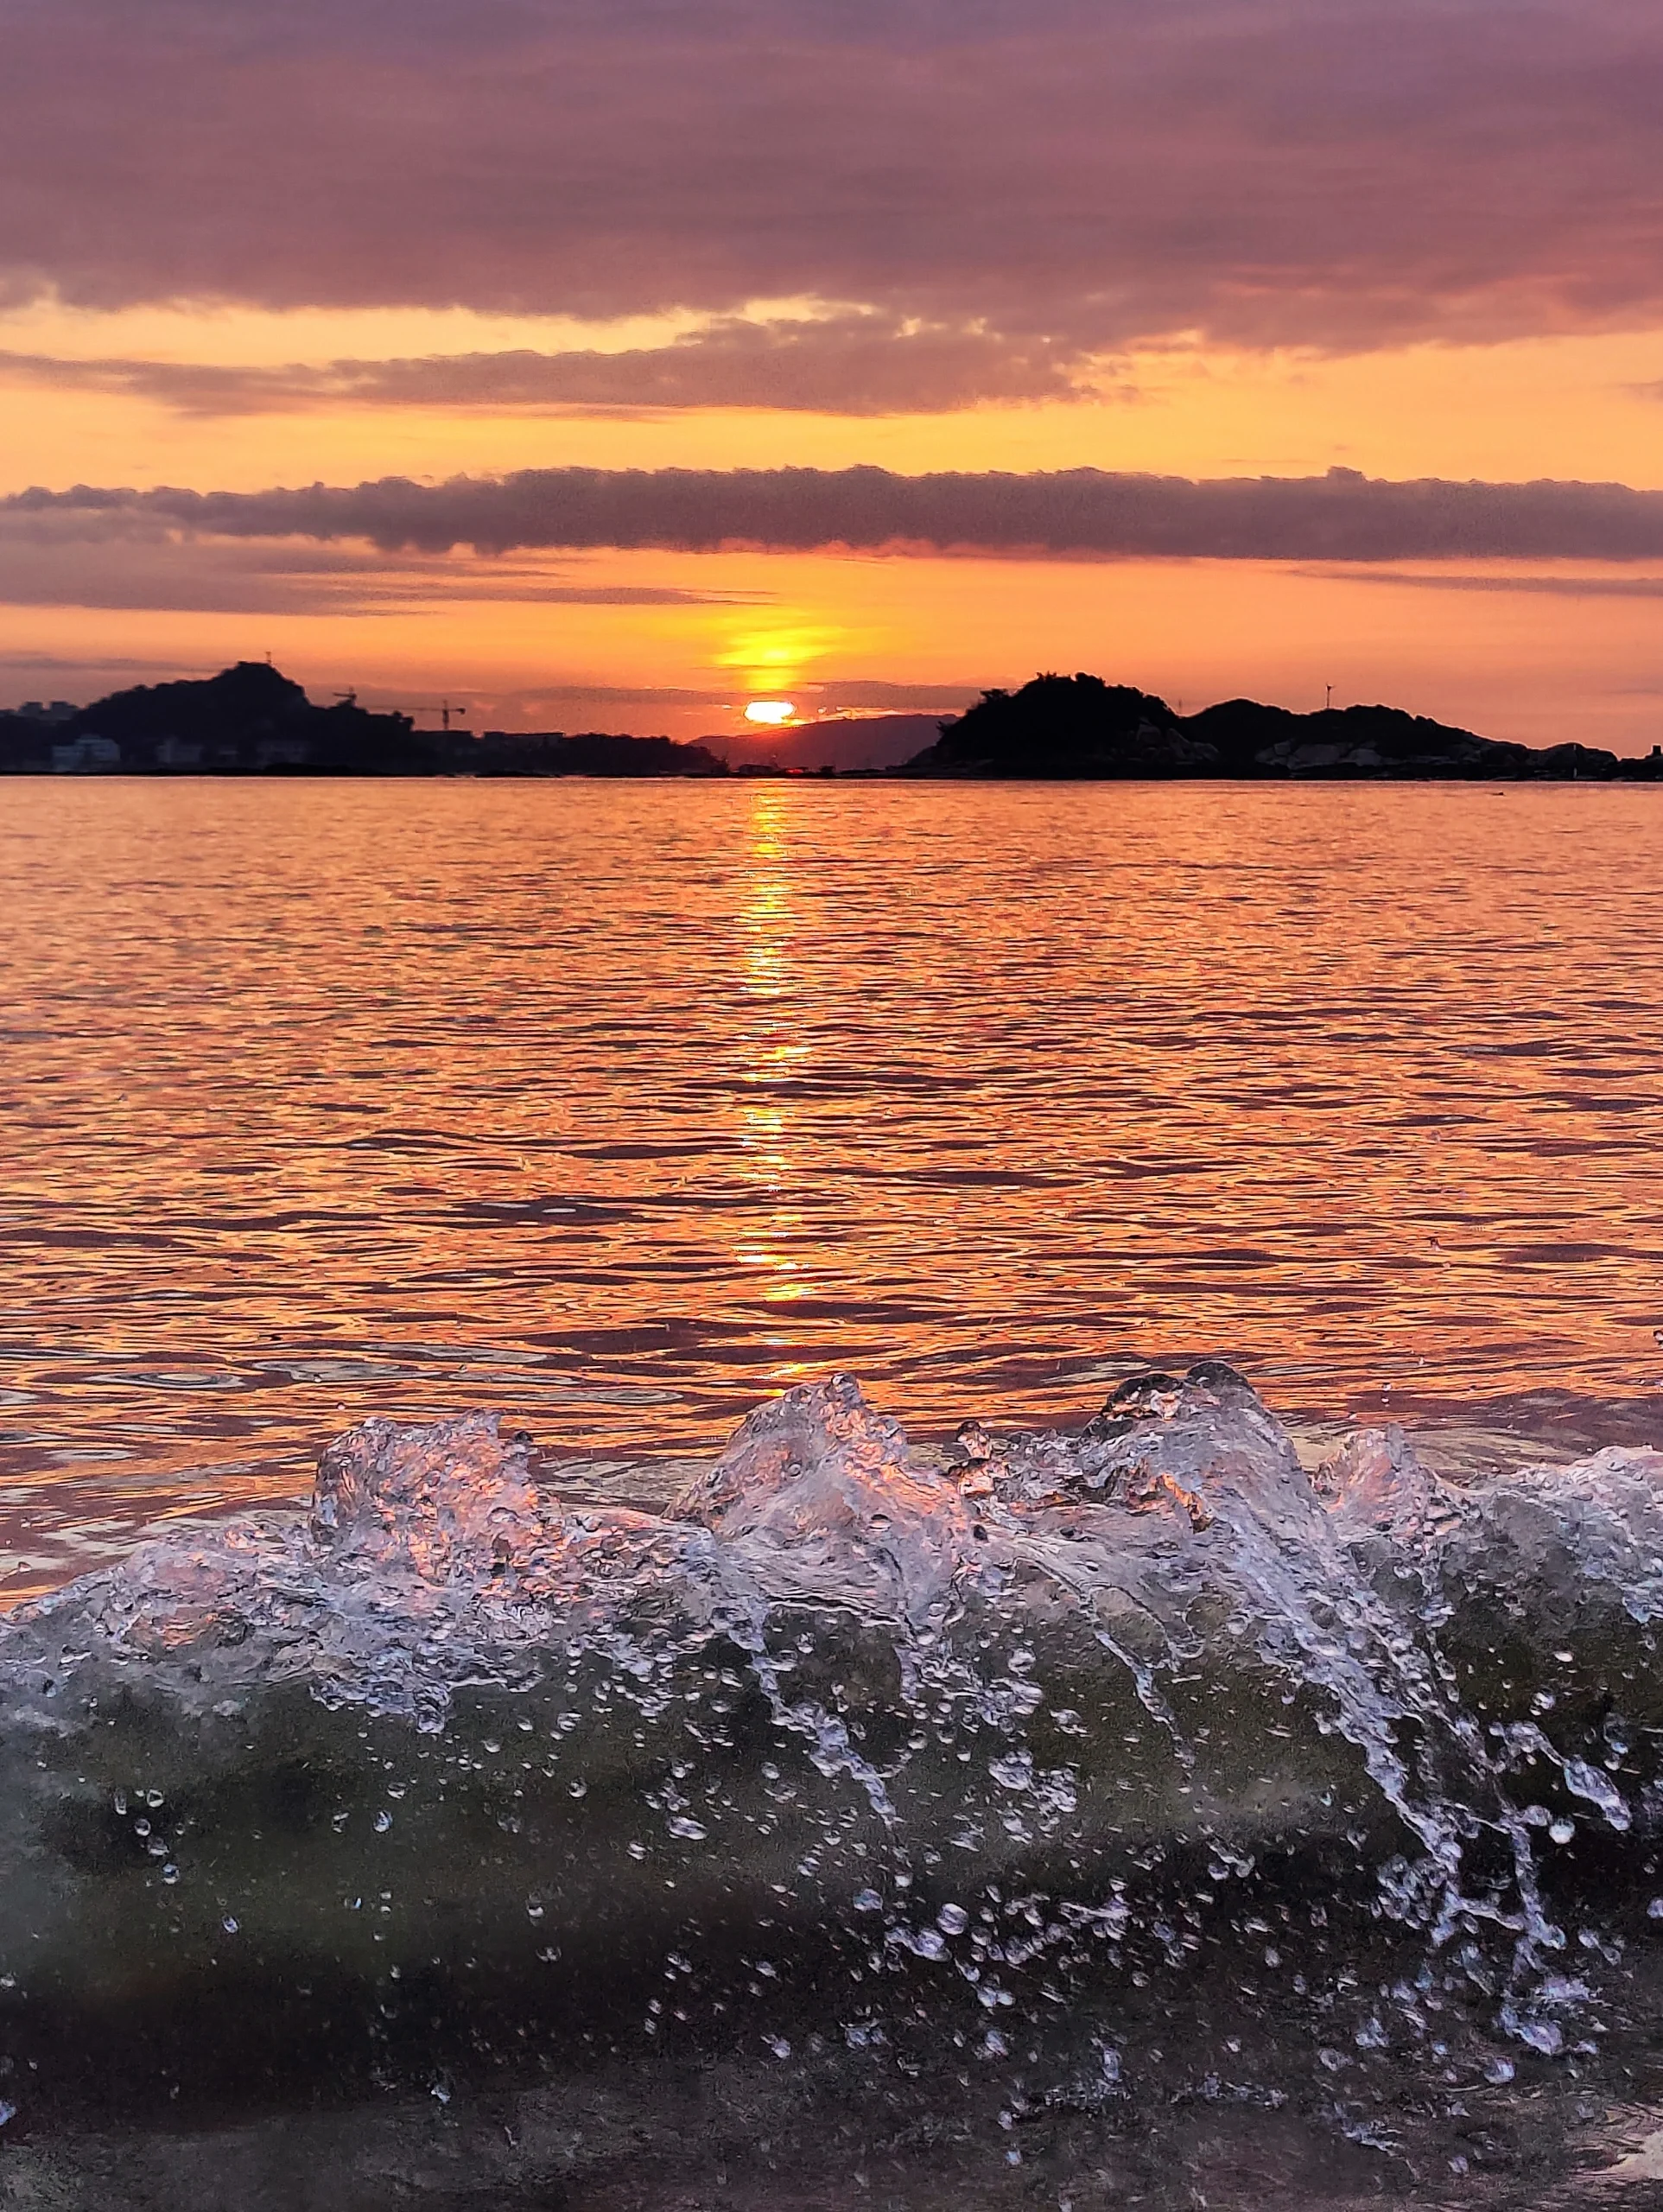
(284, 753)
(86, 756)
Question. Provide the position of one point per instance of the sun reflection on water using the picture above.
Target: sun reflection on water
(610, 1105)
(772, 1044)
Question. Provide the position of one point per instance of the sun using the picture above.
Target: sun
(772, 711)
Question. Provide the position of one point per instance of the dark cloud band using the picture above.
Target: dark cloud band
(1067, 514)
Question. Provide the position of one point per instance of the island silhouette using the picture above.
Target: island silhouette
(251, 720)
(1081, 728)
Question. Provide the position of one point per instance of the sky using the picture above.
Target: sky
(621, 364)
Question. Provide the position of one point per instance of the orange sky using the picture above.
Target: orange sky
(1512, 662)
(1482, 310)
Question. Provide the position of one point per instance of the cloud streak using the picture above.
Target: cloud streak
(135, 557)
(1539, 586)
(1342, 516)
(853, 364)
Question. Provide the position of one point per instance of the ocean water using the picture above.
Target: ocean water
(1245, 1794)
(618, 1107)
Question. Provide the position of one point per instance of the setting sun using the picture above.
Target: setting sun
(771, 711)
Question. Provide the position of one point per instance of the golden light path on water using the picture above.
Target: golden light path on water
(621, 1105)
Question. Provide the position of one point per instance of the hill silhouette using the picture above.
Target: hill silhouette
(595, 753)
(252, 720)
(249, 720)
(862, 743)
(1079, 728)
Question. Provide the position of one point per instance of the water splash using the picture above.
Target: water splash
(886, 1763)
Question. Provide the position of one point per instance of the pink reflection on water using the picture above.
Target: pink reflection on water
(621, 1106)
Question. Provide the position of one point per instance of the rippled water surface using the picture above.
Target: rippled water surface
(619, 1106)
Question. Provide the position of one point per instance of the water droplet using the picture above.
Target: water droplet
(382, 1823)
(1562, 1831)
(229, 1924)
(952, 1920)
(779, 2045)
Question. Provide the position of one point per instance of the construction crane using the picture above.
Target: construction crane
(444, 708)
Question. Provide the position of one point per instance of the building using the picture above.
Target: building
(86, 756)
(284, 753)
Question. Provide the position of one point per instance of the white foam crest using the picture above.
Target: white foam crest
(1206, 1456)
(817, 1495)
(428, 1561)
(1177, 1527)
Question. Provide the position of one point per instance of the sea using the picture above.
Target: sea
(800, 1493)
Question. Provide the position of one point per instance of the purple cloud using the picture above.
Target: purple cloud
(1579, 587)
(1068, 514)
(1331, 172)
(846, 364)
(133, 556)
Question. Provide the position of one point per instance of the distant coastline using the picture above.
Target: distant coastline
(251, 720)
(1078, 727)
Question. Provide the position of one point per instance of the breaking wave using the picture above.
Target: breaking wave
(1006, 1795)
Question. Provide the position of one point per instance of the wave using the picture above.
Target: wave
(1086, 1766)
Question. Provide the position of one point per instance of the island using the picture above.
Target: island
(1080, 728)
(252, 721)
